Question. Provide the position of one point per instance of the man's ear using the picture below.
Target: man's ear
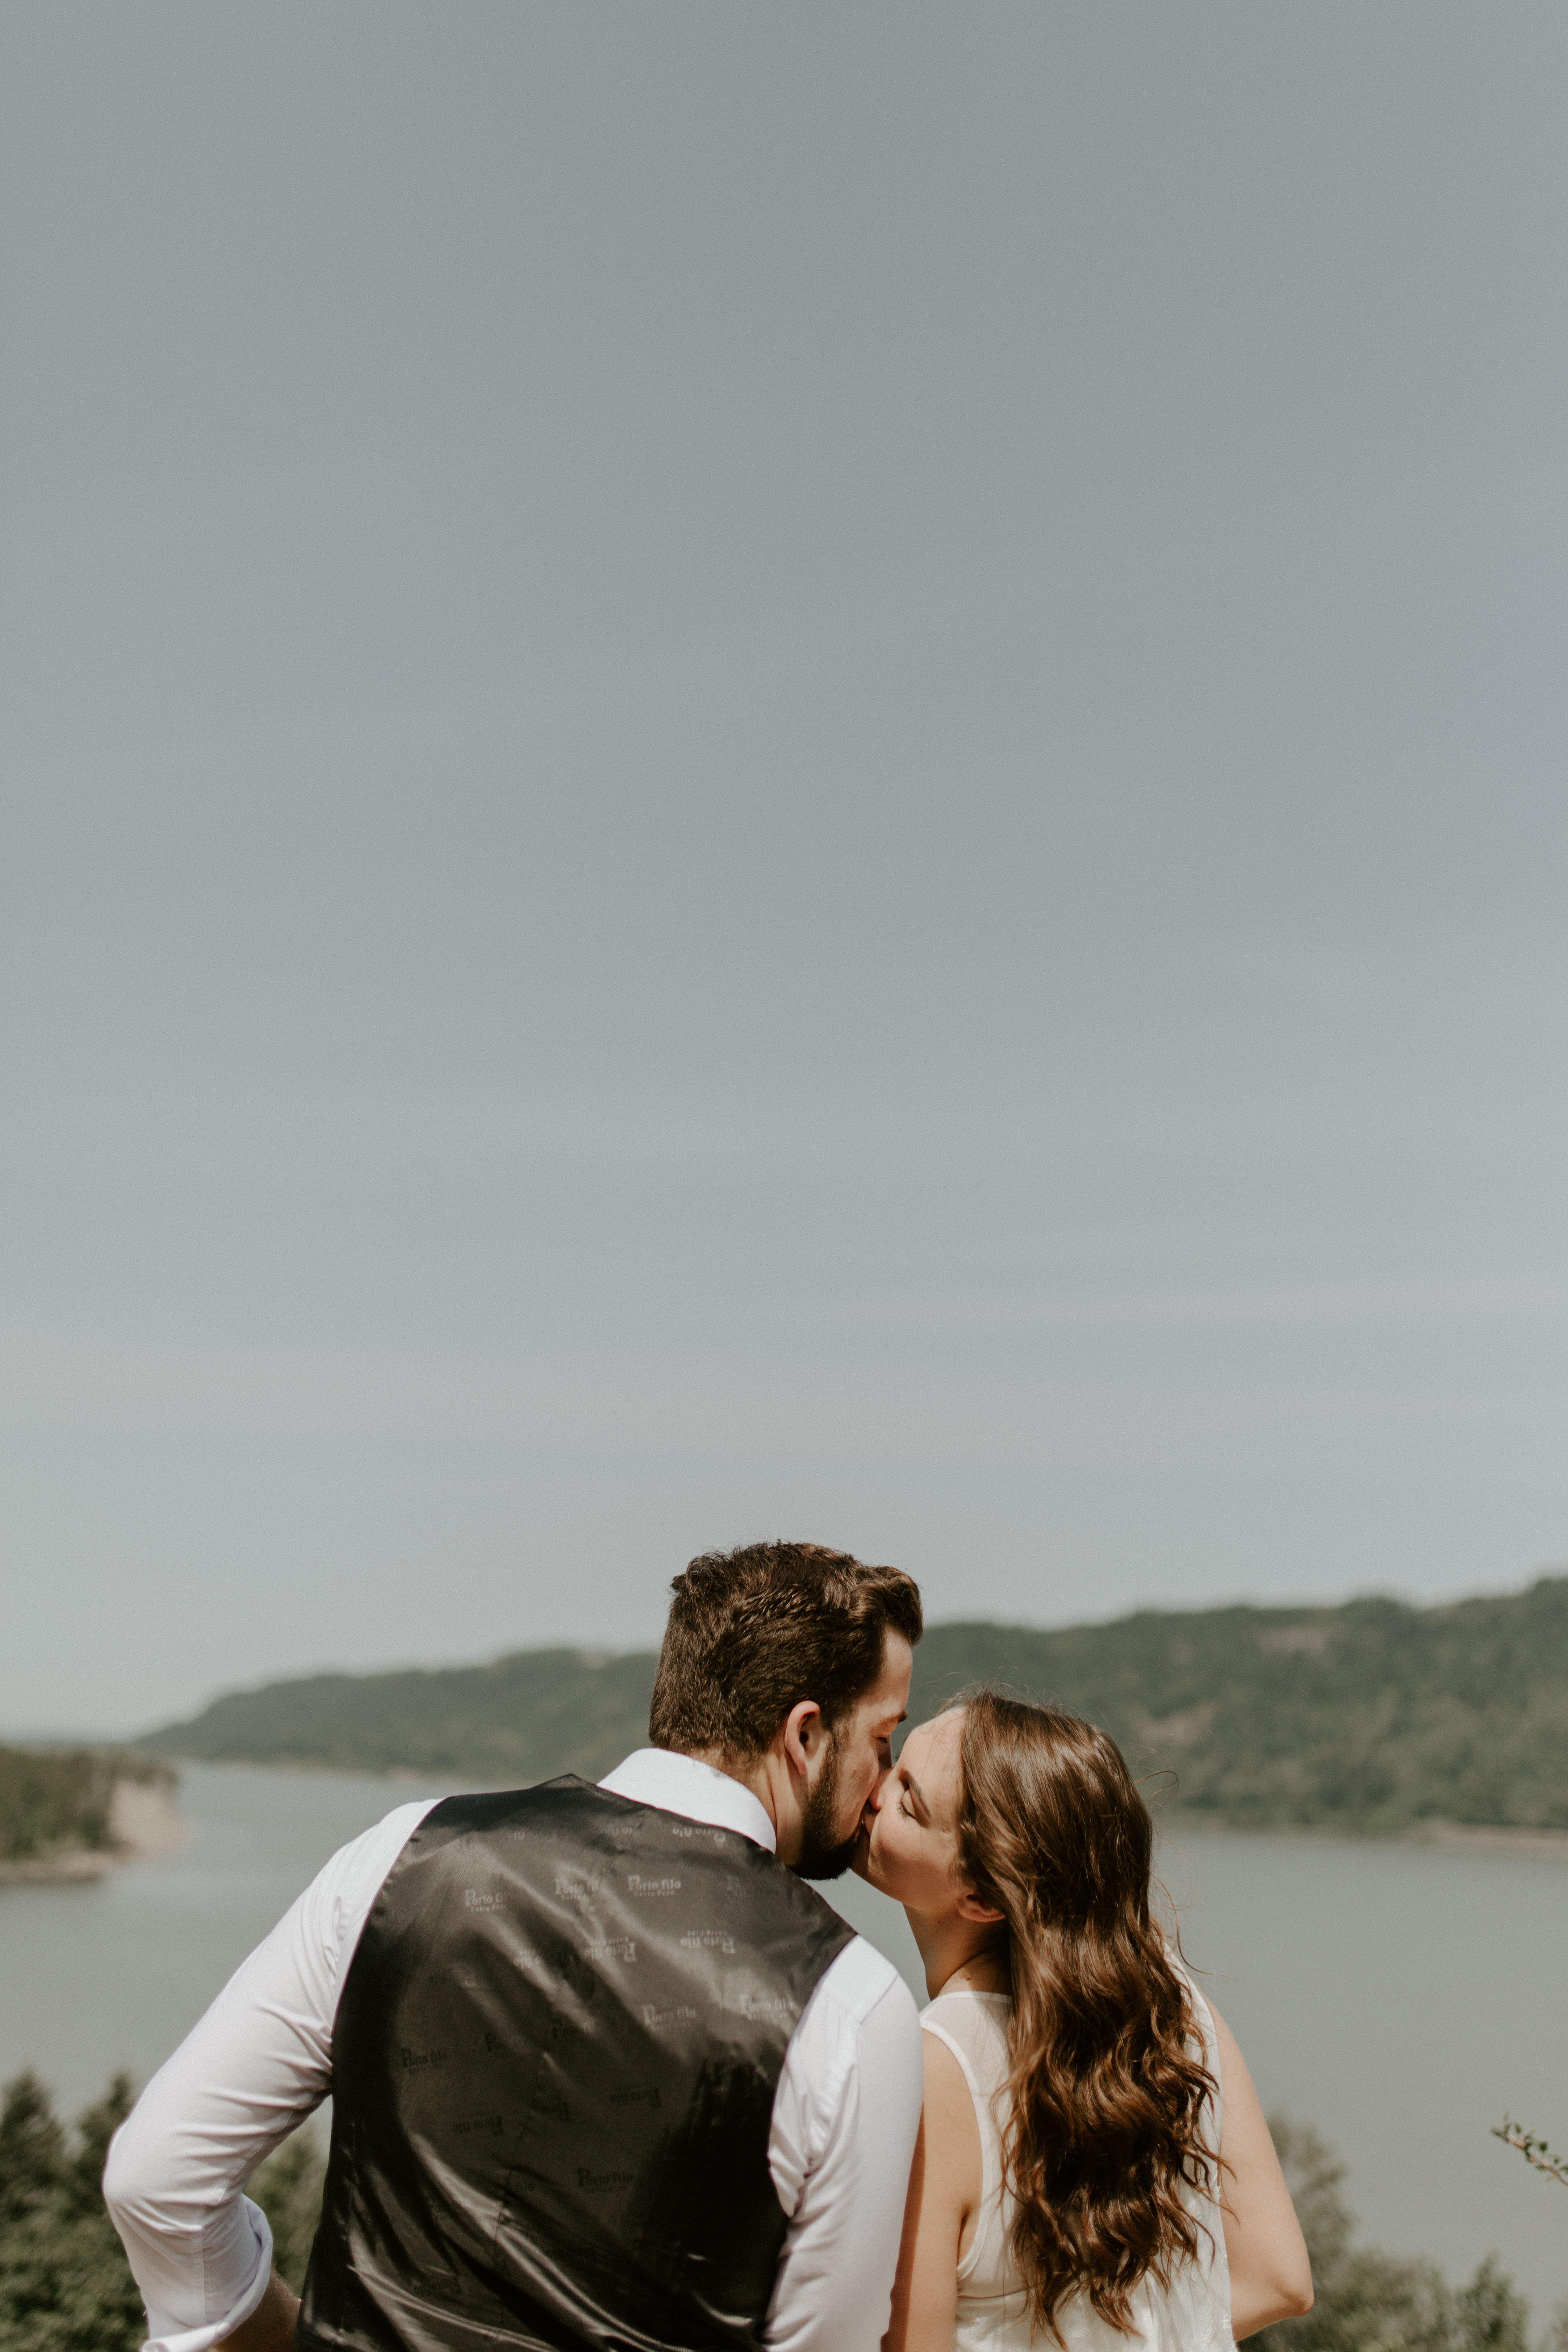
(979, 1914)
(803, 1732)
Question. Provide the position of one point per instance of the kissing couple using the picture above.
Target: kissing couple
(609, 2075)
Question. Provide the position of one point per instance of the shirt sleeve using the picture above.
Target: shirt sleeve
(246, 2075)
(845, 2118)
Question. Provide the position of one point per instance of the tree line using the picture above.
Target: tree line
(56, 1801)
(1372, 1717)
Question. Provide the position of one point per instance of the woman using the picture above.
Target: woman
(1093, 2168)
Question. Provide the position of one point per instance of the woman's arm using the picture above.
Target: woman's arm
(944, 2191)
(1270, 2277)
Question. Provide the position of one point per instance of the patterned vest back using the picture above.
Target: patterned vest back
(553, 2070)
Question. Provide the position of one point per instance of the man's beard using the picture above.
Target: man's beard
(822, 1855)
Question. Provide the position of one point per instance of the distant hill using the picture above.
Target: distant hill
(1371, 1717)
(521, 1719)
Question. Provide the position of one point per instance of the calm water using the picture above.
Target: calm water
(1397, 1998)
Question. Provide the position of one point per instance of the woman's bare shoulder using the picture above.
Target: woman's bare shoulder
(952, 2131)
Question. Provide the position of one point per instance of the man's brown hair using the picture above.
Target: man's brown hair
(753, 1631)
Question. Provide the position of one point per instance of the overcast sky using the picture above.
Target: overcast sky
(767, 771)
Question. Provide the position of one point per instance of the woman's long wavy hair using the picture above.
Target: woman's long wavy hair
(1106, 2101)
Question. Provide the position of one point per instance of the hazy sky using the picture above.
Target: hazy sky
(772, 771)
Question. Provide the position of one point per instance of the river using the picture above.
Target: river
(1400, 1998)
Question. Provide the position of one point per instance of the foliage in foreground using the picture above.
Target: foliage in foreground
(1534, 2150)
(1371, 2302)
(65, 2285)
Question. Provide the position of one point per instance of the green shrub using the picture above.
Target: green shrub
(64, 2284)
(1371, 2302)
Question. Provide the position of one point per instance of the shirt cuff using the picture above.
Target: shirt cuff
(168, 2335)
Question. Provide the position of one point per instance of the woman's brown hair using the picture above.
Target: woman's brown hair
(1106, 2100)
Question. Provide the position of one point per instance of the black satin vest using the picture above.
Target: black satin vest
(553, 2070)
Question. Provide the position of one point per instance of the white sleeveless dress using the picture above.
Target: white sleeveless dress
(1192, 2316)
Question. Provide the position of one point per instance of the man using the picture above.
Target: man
(607, 2075)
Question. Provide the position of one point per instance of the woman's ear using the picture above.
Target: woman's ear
(971, 1907)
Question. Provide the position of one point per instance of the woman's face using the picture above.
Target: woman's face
(909, 1847)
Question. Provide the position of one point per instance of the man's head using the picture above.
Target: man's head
(788, 1665)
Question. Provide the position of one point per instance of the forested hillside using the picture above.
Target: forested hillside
(1371, 1717)
(57, 1803)
(520, 1720)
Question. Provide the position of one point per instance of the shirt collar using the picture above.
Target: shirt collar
(684, 1784)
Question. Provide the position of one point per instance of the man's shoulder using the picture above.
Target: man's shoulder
(355, 1872)
(860, 2026)
(859, 1980)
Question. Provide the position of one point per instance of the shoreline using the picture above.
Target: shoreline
(145, 1823)
(1169, 1829)
(1444, 1837)
(1466, 1837)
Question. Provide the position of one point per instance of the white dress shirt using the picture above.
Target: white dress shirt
(845, 2113)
